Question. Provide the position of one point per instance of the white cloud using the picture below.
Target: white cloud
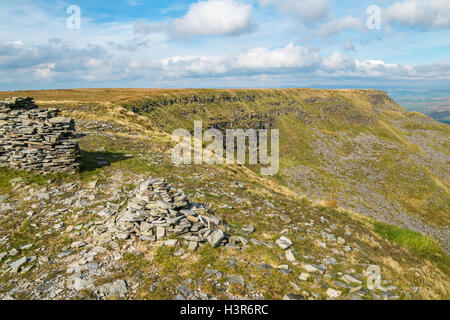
(58, 62)
(257, 60)
(306, 10)
(214, 17)
(420, 13)
(291, 56)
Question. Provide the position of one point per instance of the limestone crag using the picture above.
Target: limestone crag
(36, 139)
(159, 213)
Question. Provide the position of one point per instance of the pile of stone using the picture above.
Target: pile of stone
(36, 139)
(162, 214)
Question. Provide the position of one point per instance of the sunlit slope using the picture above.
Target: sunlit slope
(356, 148)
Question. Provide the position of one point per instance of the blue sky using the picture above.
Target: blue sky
(225, 43)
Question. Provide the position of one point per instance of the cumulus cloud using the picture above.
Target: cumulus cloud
(291, 56)
(307, 10)
(432, 14)
(58, 62)
(48, 60)
(257, 60)
(204, 18)
(215, 17)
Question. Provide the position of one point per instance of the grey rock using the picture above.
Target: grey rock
(216, 237)
(284, 243)
(18, 263)
(26, 247)
(43, 196)
(234, 279)
(117, 288)
(290, 256)
(248, 229)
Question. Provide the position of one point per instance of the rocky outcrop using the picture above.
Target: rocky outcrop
(162, 214)
(36, 139)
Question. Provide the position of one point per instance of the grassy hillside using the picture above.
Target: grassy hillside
(355, 147)
(354, 164)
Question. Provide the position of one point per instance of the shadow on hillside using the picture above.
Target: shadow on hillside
(91, 161)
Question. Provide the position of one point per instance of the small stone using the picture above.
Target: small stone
(65, 254)
(18, 263)
(92, 184)
(304, 276)
(160, 233)
(43, 196)
(193, 245)
(13, 252)
(92, 267)
(26, 247)
(310, 268)
(236, 280)
(179, 253)
(290, 256)
(171, 242)
(284, 243)
(248, 229)
(216, 237)
(284, 268)
(153, 287)
(331, 293)
(295, 286)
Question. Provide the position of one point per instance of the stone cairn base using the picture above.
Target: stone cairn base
(163, 215)
(36, 139)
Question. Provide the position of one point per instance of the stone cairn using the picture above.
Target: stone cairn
(162, 214)
(36, 139)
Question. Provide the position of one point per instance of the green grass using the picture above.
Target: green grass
(425, 246)
(29, 178)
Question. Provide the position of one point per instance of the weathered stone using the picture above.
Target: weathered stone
(117, 288)
(26, 247)
(216, 237)
(290, 256)
(304, 276)
(236, 280)
(193, 246)
(160, 233)
(18, 263)
(310, 268)
(333, 294)
(284, 243)
(171, 242)
(248, 229)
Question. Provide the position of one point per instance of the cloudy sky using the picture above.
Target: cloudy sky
(224, 43)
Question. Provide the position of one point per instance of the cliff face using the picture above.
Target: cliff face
(357, 148)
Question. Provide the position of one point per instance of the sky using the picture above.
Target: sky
(400, 45)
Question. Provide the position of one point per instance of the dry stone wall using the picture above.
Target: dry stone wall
(36, 139)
